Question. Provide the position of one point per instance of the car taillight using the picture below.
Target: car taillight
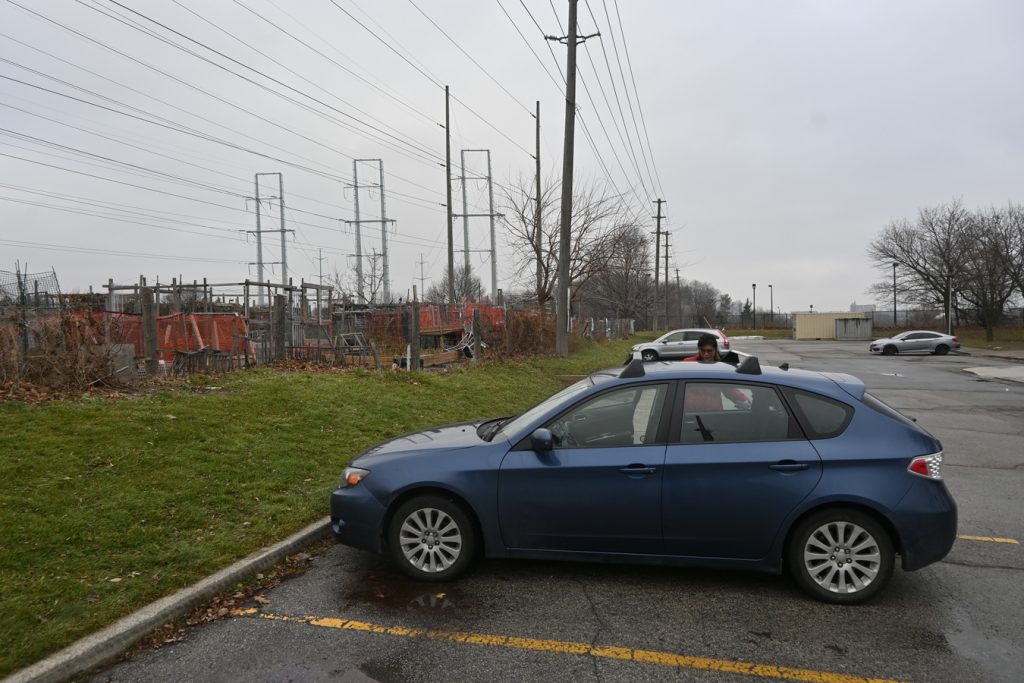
(927, 466)
(956, 339)
(725, 341)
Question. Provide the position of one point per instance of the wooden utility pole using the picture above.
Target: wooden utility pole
(679, 296)
(565, 228)
(448, 184)
(666, 278)
(537, 217)
(657, 262)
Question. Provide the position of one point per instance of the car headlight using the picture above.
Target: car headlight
(636, 348)
(352, 476)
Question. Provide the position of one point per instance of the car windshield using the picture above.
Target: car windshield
(901, 335)
(563, 396)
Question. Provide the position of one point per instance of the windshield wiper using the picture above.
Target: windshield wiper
(488, 429)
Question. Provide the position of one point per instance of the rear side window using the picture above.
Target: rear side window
(821, 417)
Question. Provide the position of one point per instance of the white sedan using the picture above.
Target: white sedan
(916, 341)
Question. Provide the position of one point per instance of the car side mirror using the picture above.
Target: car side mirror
(541, 440)
(664, 341)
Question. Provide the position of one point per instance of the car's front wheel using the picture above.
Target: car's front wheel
(889, 350)
(649, 355)
(431, 539)
(841, 556)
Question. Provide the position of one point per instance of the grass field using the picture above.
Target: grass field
(108, 503)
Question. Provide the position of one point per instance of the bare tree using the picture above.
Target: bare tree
(929, 253)
(347, 286)
(623, 288)
(468, 287)
(986, 284)
(597, 218)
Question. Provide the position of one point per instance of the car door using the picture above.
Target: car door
(674, 346)
(599, 489)
(918, 341)
(737, 464)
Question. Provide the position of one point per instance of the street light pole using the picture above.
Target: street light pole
(753, 310)
(771, 304)
(894, 323)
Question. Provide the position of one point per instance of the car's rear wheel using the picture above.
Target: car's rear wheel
(841, 556)
(431, 539)
(649, 355)
(941, 350)
(889, 350)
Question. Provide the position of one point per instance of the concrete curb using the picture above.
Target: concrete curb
(106, 645)
(1004, 374)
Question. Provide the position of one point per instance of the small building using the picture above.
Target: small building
(842, 326)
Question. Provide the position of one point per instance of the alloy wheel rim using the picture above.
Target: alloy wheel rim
(842, 557)
(430, 540)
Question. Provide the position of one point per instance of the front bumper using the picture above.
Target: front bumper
(357, 518)
(926, 521)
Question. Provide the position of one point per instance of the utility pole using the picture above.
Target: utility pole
(259, 240)
(666, 278)
(562, 296)
(358, 222)
(422, 278)
(465, 216)
(448, 185)
(657, 263)
(537, 217)
(384, 236)
(679, 295)
(259, 232)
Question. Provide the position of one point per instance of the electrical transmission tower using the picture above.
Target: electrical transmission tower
(259, 231)
(465, 216)
(358, 222)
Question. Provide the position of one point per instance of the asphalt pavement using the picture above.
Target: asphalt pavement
(108, 644)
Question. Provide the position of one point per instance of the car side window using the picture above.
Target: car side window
(629, 416)
(693, 336)
(728, 412)
(822, 417)
(675, 337)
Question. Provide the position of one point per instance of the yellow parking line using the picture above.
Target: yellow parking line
(991, 539)
(571, 648)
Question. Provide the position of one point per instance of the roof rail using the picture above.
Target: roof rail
(749, 366)
(634, 369)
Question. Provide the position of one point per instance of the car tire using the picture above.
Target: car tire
(941, 350)
(889, 350)
(649, 355)
(431, 538)
(841, 556)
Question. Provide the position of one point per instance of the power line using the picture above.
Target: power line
(470, 57)
(109, 252)
(629, 63)
(430, 78)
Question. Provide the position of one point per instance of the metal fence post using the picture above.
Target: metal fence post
(149, 348)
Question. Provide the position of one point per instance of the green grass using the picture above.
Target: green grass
(108, 503)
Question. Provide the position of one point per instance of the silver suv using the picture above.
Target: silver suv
(677, 344)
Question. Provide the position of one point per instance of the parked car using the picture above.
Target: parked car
(677, 344)
(694, 464)
(916, 341)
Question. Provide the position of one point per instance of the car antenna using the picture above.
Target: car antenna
(784, 366)
(634, 369)
(749, 366)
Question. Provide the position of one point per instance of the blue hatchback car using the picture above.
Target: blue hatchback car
(695, 464)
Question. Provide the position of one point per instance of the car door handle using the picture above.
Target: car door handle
(638, 469)
(788, 466)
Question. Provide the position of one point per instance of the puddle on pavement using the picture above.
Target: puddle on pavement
(396, 592)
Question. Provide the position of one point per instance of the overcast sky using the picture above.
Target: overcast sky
(783, 135)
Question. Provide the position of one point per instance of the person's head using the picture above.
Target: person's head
(707, 348)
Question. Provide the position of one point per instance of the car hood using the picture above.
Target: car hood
(451, 437)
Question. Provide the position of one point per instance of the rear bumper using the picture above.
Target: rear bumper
(926, 521)
(357, 518)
